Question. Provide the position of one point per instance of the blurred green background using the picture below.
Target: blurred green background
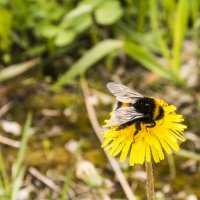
(152, 46)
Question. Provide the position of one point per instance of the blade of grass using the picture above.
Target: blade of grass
(17, 183)
(17, 169)
(195, 6)
(4, 177)
(194, 11)
(188, 154)
(147, 59)
(179, 29)
(88, 59)
(21, 153)
(168, 13)
(5, 28)
(3, 195)
(15, 70)
(68, 180)
(153, 13)
(133, 36)
(142, 12)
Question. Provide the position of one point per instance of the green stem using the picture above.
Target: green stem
(150, 181)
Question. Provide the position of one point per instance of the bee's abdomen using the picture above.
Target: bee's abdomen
(158, 112)
(121, 104)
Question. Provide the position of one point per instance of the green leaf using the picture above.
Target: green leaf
(108, 12)
(92, 3)
(50, 31)
(79, 23)
(64, 38)
(89, 59)
(147, 59)
(76, 12)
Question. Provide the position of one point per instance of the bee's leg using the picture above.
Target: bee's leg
(151, 125)
(122, 126)
(138, 127)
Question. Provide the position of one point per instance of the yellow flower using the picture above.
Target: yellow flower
(149, 140)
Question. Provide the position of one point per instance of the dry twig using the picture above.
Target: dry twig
(5, 108)
(9, 142)
(98, 130)
(44, 179)
(5, 140)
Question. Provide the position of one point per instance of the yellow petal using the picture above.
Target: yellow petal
(119, 148)
(141, 153)
(125, 151)
(165, 146)
(155, 154)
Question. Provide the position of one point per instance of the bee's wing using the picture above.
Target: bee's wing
(123, 115)
(123, 93)
(113, 121)
(126, 114)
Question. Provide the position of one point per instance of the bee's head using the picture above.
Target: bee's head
(145, 105)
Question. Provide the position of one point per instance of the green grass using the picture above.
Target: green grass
(10, 185)
(91, 57)
(89, 32)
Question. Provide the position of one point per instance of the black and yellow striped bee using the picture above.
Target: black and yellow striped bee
(133, 108)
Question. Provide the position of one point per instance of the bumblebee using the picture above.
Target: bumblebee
(133, 108)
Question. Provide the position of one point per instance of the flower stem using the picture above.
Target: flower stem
(150, 181)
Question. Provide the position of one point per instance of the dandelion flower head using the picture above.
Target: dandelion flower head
(149, 142)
